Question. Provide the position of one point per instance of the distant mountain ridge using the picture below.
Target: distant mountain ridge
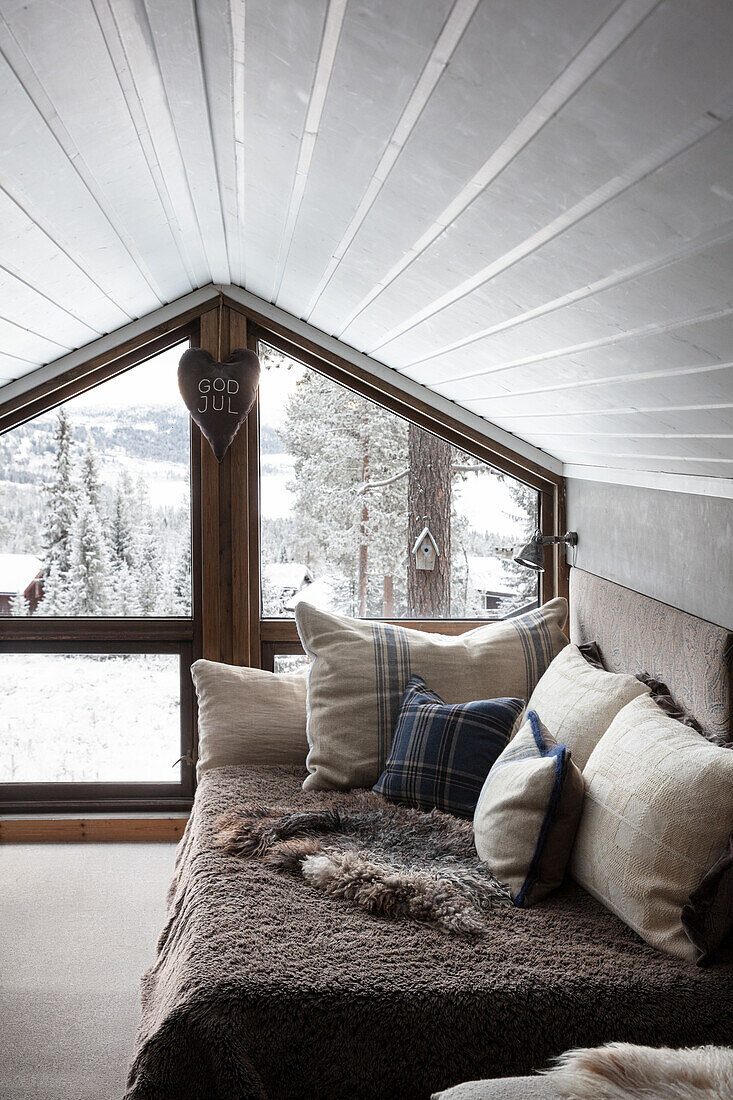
(148, 433)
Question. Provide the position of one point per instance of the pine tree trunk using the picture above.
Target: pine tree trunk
(428, 505)
(388, 596)
(363, 550)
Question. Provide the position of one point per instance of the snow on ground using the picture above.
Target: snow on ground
(83, 718)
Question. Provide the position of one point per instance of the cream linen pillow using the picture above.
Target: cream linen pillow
(578, 702)
(360, 671)
(249, 716)
(657, 814)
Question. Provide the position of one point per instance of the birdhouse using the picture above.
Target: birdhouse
(425, 550)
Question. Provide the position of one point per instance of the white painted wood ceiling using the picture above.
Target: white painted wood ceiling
(525, 205)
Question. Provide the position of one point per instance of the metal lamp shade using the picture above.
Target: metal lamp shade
(532, 554)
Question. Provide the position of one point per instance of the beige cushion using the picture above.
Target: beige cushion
(578, 702)
(249, 716)
(658, 812)
(360, 670)
(528, 812)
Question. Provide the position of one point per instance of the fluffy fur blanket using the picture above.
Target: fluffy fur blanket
(391, 861)
(621, 1071)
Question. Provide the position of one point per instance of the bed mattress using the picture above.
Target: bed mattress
(265, 989)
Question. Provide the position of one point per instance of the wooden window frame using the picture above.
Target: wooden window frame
(226, 624)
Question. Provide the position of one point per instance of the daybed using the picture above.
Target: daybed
(264, 989)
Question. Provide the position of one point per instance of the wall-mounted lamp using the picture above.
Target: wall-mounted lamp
(532, 553)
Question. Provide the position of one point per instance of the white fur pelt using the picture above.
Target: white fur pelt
(622, 1071)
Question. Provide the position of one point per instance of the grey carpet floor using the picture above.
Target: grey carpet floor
(78, 926)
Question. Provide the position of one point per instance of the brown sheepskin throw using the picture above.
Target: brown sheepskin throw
(389, 860)
(622, 1071)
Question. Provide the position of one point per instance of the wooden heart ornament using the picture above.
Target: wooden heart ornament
(219, 395)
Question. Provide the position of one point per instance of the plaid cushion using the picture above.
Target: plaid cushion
(441, 754)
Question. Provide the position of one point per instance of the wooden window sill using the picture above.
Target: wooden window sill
(124, 827)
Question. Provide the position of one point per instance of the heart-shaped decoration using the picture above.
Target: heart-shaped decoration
(219, 395)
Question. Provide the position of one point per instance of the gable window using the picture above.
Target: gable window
(127, 550)
(96, 601)
(347, 489)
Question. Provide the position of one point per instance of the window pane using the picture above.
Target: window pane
(80, 717)
(289, 662)
(95, 514)
(353, 498)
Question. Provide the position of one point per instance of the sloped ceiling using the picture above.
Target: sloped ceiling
(526, 205)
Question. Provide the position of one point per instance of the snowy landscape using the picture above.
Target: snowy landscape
(325, 453)
(124, 726)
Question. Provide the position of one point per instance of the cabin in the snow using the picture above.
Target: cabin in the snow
(21, 581)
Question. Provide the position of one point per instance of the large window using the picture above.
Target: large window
(127, 550)
(95, 502)
(349, 490)
(96, 604)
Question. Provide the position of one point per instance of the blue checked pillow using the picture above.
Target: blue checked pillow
(441, 753)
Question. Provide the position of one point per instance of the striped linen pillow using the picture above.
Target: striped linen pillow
(441, 753)
(360, 670)
(528, 813)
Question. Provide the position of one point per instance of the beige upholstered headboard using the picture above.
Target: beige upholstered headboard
(636, 633)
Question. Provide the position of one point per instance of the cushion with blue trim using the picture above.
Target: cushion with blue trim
(441, 753)
(528, 813)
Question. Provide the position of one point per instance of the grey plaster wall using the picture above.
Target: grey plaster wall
(675, 547)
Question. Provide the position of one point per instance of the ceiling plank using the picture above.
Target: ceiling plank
(396, 73)
(176, 40)
(281, 56)
(97, 132)
(77, 200)
(622, 125)
(444, 166)
(129, 39)
(678, 209)
(713, 486)
(321, 80)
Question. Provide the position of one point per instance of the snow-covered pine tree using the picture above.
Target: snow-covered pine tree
(88, 586)
(62, 502)
(350, 490)
(90, 480)
(122, 521)
(19, 605)
(89, 580)
(123, 590)
(146, 564)
(182, 581)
